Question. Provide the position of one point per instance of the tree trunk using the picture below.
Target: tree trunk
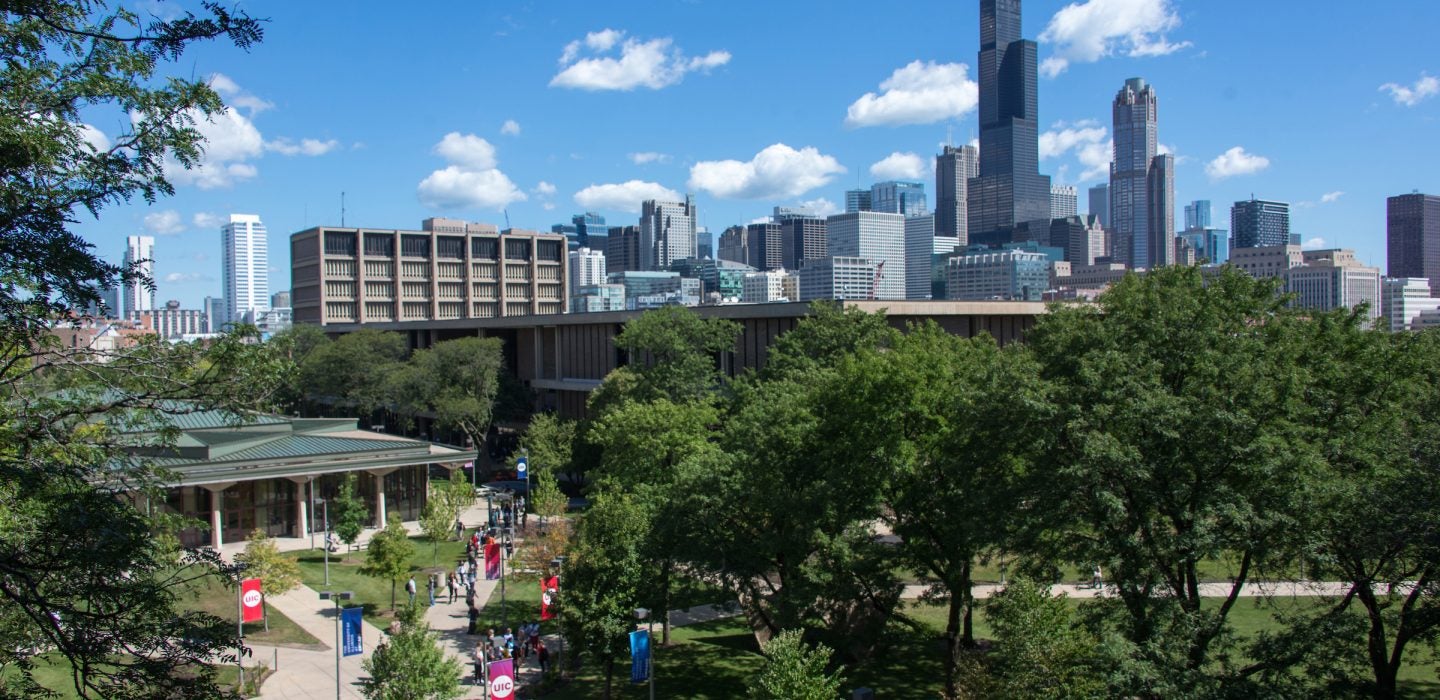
(952, 646)
(265, 613)
(392, 594)
(967, 637)
(609, 674)
(665, 604)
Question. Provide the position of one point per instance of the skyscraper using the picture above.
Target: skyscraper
(953, 169)
(1412, 237)
(246, 262)
(764, 247)
(803, 238)
(857, 200)
(1197, 214)
(1257, 223)
(622, 250)
(899, 197)
(877, 237)
(1009, 189)
(1100, 203)
(1142, 182)
(140, 257)
(591, 231)
(587, 268)
(919, 249)
(1064, 201)
(667, 233)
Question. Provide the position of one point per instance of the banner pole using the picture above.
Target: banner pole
(240, 632)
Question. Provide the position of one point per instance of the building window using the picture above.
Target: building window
(517, 250)
(548, 251)
(339, 243)
(485, 248)
(380, 244)
(415, 246)
(450, 247)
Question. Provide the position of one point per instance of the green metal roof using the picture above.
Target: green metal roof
(298, 446)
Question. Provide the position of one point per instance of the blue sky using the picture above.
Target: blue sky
(549, 109)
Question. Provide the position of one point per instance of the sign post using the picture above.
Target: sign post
(502, 679)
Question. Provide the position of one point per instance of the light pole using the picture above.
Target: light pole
(325, 509)
(505, 544)
(555, 565)
(644, 614)
(337, 596)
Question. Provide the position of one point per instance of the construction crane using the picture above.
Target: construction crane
(879, 275)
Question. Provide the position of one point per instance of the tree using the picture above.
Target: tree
(829, 332)
(602, 581)
(437, 522)
(347, 511)
(455, 382)
(88, 574)
(1183, 440)
(673, 352)
(1040, 649)
(352, 372)
(278, 573)
(411, 664)
(549, 441)
(546, 498)
(389, 553)
(795, 670)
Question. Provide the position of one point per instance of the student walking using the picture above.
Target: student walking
(410, 588)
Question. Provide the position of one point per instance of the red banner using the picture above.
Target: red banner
(502, 679)
(548, 588)
(251, 601)
(492, 561)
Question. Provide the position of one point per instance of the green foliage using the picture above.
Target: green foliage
(347, 512)
(672, 350)
(795, 670)
(388, 556)
(353, 371)
(455, 381)
(549, 441)
(262, 559)
(603, 580)
(437, 523)
(828, 333)
(412, 664)
(1040, 650)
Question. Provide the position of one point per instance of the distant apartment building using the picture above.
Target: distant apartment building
(171, 322)
(735, 245)
(1268, 261)
(1334, 279)
(838, 278)
(770, 286)
(1080, 237)
(1064, 201)
(645, 289)
(875, 236)
(280, 300)
(1197, 214)
(998, 275)
(1100, 203)
(449, 269)
(1211, 245)
(1404, 299)
(587, 267)
(667, 233)
(704, 243)
(245, 267)
(721, 281)
(216, 316)
(1257, 223)
(1412, 237)
(139, 293)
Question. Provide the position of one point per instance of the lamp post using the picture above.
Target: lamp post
(555, 565)
(337, 596)
(644, 614)
(325, 509)
(505, 543)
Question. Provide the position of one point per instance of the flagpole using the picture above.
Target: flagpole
(240, 632)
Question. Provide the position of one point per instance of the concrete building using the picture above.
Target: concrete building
(1403, 299)
(903, 197)
(622, 249)
(769, 286)
(1100, 203)
(245, 271)
(667, 233)
(280, 299)
(449, 269)
(1270, 261)
(839, 278)
(764, 246)
(1334, 279)
(140, 256)
(1258, 223)
(997, 275)
(172, 322)
(1064, 201)
(735, 245)
(875, 236)
(595, 298)
(1080, 237)
(919, 249)
(1097, 277)
(587, 267)
(954, 168)
(1412, 237)
(802, 238)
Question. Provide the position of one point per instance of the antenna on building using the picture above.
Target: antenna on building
(507, 218)
(949, 136)
(342, 209)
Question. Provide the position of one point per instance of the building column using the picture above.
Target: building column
(302, 508)
(380, 494)
(217, 519)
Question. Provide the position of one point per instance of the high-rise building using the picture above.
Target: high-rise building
(1064, 201)
(919, 249)
(1403, 299)
(1081, 237)
(764, 246)
(803, 240)
(1197, 214)
(1412, 237)
(875, 236)
(899, 197)
(1006, 275)
(838, 278)
(1257, 223)
(1334, 279)
(215, 314)
(735, 245)
(246, 267)
(1009, 189)
(857, 200)
(1100, 203)
(587, 268)
(667, 233)
(704, 243)
(622, 251)
(1142, 181)
(590, 230)
(113, 301)
(139, 292)
(954, 168)
(770, 286)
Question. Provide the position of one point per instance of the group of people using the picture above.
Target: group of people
(510, 645)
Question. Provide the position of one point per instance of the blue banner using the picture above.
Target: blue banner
(639, 656)
(350, 643)
(521, 465)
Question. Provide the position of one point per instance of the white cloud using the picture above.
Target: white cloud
(1235, 161)
(548, 206)
(95, 137)
(235, 96)
(1411, 95)
(306, 147)
(821, 207)
(899, 166)
(919, 93)
(182, 277)
(510, 128)
(777, 172)
(544, 189)
(164, 223)
(472, 179)
(1313, 243)
(625, 196)
(651, 64)
(646, 157)
(1087, 139)
(1085, 32)
(466, 150)
(456, 187)
(206, 220)
(1329, 197)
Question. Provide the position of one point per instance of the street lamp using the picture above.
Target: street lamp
(325, 509)
(644, 614)
(555, 565)
(337, 596)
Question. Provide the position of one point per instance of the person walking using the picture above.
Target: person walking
(474, 619)
(450, 587)
(431, 586)
(410, 589)
(542, 655)
(478, 657)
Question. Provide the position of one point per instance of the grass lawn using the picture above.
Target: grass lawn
(708, 661)
(53, 672)
(374, 593)
(218, 600)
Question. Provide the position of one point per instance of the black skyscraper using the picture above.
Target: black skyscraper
(1412, 236)
(1010, 189)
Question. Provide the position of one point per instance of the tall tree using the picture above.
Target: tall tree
(351, 373)
(388, 556)
(1182, 441)
(411, 664)
(347, 512)
(278, 573)
(602, 581)
(674, 352)
(795, 670)
(454, 382)
(549, 441)
(437, 523)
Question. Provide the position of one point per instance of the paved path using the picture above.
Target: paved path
(1216, 589)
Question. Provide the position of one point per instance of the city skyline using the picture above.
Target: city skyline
(1301, 117)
